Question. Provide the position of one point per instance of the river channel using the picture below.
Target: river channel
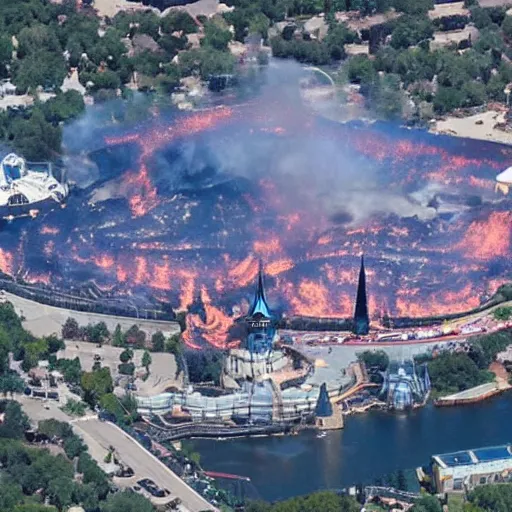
(371, 445)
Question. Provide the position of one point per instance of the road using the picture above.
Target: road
(44, 320)
(144, 464)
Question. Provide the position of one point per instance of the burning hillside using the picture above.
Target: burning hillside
(186, 206)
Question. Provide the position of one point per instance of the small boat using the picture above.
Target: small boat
(321, 435)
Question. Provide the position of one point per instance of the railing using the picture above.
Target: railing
(390, 492)
(212, 430)
(98, 304)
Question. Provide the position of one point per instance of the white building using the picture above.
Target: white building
(23, 189)
(462, 471)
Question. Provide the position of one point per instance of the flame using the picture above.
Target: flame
(6, 262)
(104, 261)
(143, 196)
(49, 230)
(489, 238)
(415, 268)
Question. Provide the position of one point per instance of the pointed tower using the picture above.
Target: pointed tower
(361, 319)
(259, 321)
(323, 407)
(259, 304)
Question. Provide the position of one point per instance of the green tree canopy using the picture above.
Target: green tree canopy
(215, 36)
(126, 501)
(96, 384)
(178, 21)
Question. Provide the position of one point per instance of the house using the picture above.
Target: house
(460, 472)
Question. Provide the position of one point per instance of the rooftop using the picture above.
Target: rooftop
(475, 456)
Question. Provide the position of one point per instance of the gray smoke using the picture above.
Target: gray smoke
(311, 170)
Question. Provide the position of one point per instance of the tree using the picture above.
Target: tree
(502, 313)
(401, 481)
(447, 99)
(416, 7)
(411, 30)
(337, 36)
(178, 21)
(135, 336)
(54, 343)
(34, 137)
(386, 96)
(71, 369)
(118, 339)
(11, 383)
(507, 27)
(173, 344)
(126, 501)
(158, 342)
(361, 70)
(6, 50)
(34, 507)
(15, 420)
(42, 68)
(107, 79)
(70, 329)
(55, 429)
(36, 38)
(110, 403)
(63, 107)
(215, 37)
(378, 359)
(74, 407)
(143, 22)
(74, 446)
(94, 475)
(96, 384)
(126, 355)
(492, 497)
(427, 503)
(146, 360)
(5, 347)
(451, 373)
(126, 368)
(60, 492)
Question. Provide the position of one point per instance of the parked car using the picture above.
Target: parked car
(150, 486)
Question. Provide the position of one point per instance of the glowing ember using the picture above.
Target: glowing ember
(207, 195)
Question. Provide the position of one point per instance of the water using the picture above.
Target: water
(370, 446)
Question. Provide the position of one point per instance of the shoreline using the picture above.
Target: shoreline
(477, 127)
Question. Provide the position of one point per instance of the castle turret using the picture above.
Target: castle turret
(323, 407)
(361, 319)
(259, 321)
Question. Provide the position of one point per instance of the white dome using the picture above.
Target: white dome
(505, 176)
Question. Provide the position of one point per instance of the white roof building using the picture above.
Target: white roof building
(504, 181)
(21, 186)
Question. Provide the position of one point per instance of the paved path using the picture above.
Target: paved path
(144, 464)
(43, 320)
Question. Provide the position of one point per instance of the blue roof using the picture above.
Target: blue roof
(493, 453)
(467, 457)
(259, 305)
(456, 459)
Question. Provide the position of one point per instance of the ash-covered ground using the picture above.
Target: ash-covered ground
(186, 204)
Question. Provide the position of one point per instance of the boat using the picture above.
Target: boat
(27, 188)
(321, 435)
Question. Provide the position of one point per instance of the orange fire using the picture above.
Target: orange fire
(6, 262)
(490, 238)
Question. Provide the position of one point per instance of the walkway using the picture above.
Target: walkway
(143, 463)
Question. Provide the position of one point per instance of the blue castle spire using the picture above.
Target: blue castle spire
(260, 323)
(323, 407)
(259, 305)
